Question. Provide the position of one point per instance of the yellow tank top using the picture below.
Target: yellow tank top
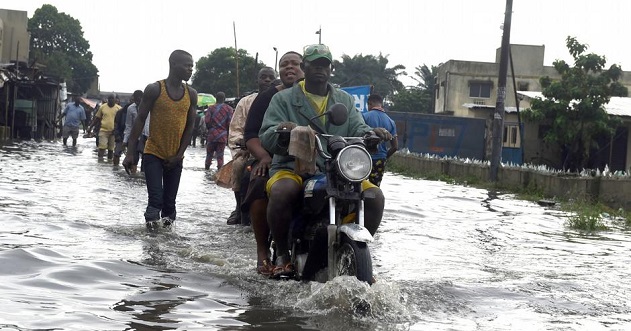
(167, 123)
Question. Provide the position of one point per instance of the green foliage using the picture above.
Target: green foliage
(574, 105)
(57, 42)
(368, 70)
(419, 98)
(412, 100)
(217, 72)
(426, 77)
(585, 216)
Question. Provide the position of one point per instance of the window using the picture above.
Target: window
(511, 136)
(480, 89)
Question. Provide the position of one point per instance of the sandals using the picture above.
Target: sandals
(284, 268)
(265, 268)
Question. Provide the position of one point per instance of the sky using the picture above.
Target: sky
(131, 40)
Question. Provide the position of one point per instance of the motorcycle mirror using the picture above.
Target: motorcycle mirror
(337, 114)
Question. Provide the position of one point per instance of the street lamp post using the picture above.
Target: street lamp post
(319, 33)
(276, 62)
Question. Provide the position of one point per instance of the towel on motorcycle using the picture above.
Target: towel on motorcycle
(302, 147)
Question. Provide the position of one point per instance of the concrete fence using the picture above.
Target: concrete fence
(614, 192)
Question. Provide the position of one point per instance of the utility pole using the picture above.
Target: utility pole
(498, 115)
(236, 55)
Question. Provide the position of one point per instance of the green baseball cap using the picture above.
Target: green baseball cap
(316, 51)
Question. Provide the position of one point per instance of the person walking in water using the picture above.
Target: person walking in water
(171, 103)
(104, 118)
(217, 120)
(75, 115)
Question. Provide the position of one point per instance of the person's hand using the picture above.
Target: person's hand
(128, 163)
(282, 130)
(262, 167)
(383, 134)
(286, 126)
(241, 154)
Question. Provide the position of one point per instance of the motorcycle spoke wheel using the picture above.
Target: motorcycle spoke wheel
(346, 264)
(353, 259)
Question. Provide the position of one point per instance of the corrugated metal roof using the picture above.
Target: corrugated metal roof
(617, 106)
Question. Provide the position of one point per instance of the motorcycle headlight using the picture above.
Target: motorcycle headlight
(354, 163)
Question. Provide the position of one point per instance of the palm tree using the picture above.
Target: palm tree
(368, 70)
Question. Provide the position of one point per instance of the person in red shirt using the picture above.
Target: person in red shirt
(217, 121)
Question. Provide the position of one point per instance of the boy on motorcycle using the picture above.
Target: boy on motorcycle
(290, 108)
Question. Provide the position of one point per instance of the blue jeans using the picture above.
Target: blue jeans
(162, 186)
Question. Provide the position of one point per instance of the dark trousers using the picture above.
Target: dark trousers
(162, 186)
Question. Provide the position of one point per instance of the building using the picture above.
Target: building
(469, 89)
(14, 36)
(29, 101)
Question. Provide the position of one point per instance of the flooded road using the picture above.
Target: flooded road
(74, 255)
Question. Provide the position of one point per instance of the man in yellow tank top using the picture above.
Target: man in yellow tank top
(171, 103)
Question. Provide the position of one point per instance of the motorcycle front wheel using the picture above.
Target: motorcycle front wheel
(353, 259)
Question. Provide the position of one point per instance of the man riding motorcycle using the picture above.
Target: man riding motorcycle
(295, 107)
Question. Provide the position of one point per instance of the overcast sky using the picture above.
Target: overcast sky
(131, 40)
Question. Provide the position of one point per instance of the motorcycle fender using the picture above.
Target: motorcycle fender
(356, 232)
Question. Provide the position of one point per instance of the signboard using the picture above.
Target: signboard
(360, 94)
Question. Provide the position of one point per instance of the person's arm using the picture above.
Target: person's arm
(82, 117)
(237, 124)
(207, 116)
(252, 126)
(394, 146)
(96, 120)
(274, 115)
(394, 143)
(129, 121)
(151, 93)
(118, 122)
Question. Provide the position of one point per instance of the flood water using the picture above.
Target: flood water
(74, 255)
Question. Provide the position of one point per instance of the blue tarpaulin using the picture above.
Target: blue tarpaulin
(360, 93)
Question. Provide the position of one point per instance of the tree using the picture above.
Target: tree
(217, 72)
(368, 70)
(420, 98)
(573, 106)
(409, 100)
(57, 42)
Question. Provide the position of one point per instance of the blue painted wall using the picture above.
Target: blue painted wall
(441, 135)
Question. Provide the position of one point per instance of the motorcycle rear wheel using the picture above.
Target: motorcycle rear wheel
(353, 259)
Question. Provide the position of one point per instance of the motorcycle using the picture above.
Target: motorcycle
(328, 238)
